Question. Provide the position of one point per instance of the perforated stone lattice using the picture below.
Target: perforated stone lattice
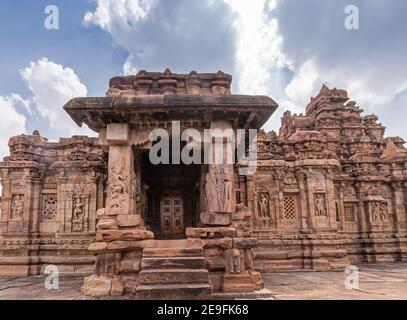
(289, 208)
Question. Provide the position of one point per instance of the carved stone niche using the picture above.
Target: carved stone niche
(17, 208)
(350, 211)
(320, 211)
(263, 205)
(78, 214)
(78, 203)
(320, 205)
(377, 212)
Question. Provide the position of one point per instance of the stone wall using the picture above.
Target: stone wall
(329, 190)
(50, 194)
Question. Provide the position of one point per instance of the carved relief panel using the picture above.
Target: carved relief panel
(378, 214)
(320, 211)
(80, 198)
(118, 193)
(17, 207)
(78, 214)
(263, 202)
(378, 208)
(320, 205)
(219, 189)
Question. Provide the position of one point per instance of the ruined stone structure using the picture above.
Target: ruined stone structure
(329, 190)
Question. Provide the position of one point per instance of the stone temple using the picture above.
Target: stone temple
(329, 190)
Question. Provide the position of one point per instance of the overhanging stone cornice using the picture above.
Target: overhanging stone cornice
(244, 110)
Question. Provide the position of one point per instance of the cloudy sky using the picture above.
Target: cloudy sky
(282, 48)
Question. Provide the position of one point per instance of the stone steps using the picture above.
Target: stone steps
(173, 276)
(172, 272)
(200, 291)
(173, 263)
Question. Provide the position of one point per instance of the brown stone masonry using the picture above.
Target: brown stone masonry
(329, 190)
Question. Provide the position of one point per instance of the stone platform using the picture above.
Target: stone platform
(377, 282)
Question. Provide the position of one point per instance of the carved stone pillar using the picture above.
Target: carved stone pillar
(5, 200)
(120, 202)
(303, 200)
(363, 217)
(399, 206)
(341, 208)
(219, 181)
(330, 200)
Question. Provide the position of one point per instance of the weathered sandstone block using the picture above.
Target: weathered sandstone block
(97, 286)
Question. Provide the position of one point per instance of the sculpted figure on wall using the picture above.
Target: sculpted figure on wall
(320, 208)
(264, 205)
(117, 192)
(219, 190)
(379, 212)
(17, 207)
(77, 216)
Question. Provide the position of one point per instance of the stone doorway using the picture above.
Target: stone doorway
(171, 198)
(171, 213)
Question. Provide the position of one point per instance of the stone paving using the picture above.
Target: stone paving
(376, 281)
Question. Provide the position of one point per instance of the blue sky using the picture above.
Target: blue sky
(282, 48)
(88, 51)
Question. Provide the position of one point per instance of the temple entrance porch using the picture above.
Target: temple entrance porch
(171, 201)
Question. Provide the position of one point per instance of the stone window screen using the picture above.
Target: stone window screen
(50, 207)
(290, 207)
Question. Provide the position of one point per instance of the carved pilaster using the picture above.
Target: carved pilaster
(399, 206)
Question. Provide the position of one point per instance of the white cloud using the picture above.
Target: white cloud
(302, 87)
(12, 122)
(369, 63)
(119, 15)
(259, 57)
(52, 86)
(178, 34)
(285, 49)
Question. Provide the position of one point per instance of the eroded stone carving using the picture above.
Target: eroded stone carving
(379, 212)
(17, 207)
(117, 192)
(264, 205)
(77, 214)
(219, 189)
(233, 262)
(320, 205)
(108, 264)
